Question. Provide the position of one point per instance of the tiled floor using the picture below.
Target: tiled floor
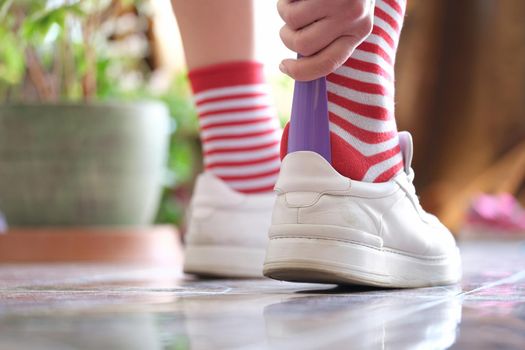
(104, 307)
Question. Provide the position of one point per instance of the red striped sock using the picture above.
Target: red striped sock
(363, 129)
(239, 131)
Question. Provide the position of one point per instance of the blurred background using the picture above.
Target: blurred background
(460, 91)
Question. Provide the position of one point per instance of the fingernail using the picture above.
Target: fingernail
(283, 69)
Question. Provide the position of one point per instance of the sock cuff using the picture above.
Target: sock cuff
(226, 75)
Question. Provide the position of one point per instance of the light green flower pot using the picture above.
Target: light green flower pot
(82, 164)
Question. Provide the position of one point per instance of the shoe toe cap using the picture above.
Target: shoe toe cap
(441, 241)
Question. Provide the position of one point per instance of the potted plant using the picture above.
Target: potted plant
(70, 154)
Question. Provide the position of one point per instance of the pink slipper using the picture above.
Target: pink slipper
(499, 214)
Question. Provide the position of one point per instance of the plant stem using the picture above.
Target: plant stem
(93, 22)
(38, 76)
(89, 81)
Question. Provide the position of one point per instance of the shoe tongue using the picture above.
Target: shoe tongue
(407, 148)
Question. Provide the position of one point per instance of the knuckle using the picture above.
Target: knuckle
(302, 44)
(324, 68)
(281, 8)
(286, 38)
(335, 60)
(358, 14)
(282, 34)
(332, 63)
(367, 26)
(290, 17)
(361, 8)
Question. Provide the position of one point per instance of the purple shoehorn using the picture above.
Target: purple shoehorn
(309, 126)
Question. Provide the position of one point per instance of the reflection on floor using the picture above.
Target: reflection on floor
(108, 307)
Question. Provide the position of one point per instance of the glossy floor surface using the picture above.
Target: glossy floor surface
(109, 307)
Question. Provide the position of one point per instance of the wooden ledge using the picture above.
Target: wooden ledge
(157, 245)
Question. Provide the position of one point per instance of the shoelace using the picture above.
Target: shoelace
(410, 184)
(411, 189)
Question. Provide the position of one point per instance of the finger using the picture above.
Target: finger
(322, 63)
(298, 14)
(312, 38)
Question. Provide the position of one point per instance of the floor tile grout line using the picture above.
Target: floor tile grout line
(175, 292)
(141, 272)
(509, 279)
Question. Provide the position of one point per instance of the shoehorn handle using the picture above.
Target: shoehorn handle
(309, 126)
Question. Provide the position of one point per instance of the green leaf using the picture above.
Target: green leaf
(4, 8)
(37, 25)
(12, 60)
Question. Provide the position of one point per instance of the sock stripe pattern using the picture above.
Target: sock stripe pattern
(239, 130)
(363, 131)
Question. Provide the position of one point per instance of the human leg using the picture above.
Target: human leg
(356, 218)
(239, 130)
(233, 199)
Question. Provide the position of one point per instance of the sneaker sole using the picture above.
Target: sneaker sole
(224, 262)
(316, 260)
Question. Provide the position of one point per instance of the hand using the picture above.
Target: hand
(324, 32)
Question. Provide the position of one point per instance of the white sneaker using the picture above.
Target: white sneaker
(327, 228)
(227, 231)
